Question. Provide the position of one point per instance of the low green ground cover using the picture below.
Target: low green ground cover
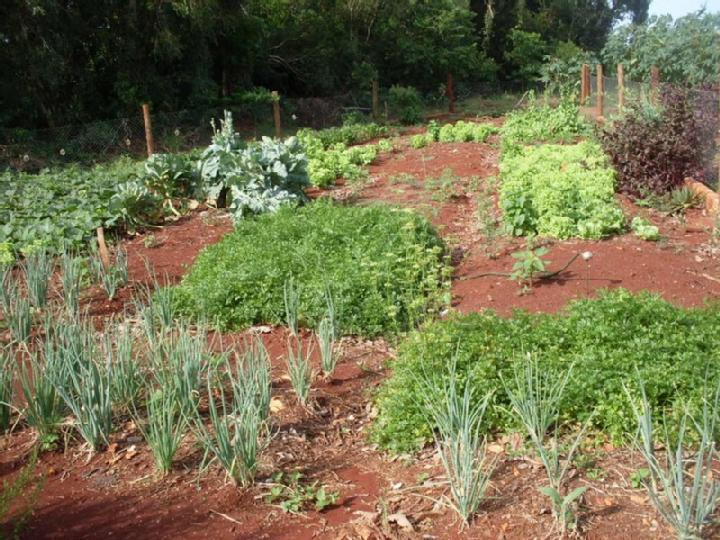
(611, 341)
(384, 268)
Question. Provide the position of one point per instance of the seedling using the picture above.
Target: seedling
(295, 497)
(529, 264)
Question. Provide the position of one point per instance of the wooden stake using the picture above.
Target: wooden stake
(376, 99)
(450, 90)
(654, 84)
(276, 114)
(600, 100)
(102, 248)
(148, 130)
(621, 87)
(584, 93)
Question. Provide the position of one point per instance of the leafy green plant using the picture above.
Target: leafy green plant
(681, 484)
(386, 266)
(638, 477)
(542, 123)
(604, 338)
(7, 387)
(559, 191)
(299, 371)
(462, 131)
(488, 222)
(644, 229)
(294, 496)
(461, 448)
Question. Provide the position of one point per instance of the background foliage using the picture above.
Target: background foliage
(68, 62)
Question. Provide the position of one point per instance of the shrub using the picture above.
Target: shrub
(606, 339)
(653, 151)
(384, 267)
(406, 103)
(542, 123)
(559, 191)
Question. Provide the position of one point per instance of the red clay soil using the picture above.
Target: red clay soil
(116, 493)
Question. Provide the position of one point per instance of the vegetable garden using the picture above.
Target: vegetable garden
(471, 326)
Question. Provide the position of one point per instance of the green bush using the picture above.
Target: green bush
(406, 104)
(384, 267)
(606, 339)
(559, 191)
(542, 123)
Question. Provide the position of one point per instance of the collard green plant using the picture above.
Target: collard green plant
(254, 179)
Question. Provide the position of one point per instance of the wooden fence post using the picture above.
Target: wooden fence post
(600, 100)
(148, 130)
(450, 90)
(276, 114)
(584, 91)
(654, 84)
(375, 99)
(621, 87)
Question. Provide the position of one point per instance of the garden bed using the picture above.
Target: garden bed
(379, 495)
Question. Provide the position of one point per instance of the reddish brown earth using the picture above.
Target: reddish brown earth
(116, 494)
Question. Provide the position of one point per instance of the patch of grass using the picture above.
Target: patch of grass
(386, 270)
(606, 339)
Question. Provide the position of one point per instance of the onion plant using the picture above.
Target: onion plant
(113, 277)
(83, 382)
(71, 280)
(7, 380)
(164, 425)
(252, 377)
(326, 342)
(178, 361)
(535, 397)
(20, 318)
(299, 370)
(38, 267)
(44, 408)
(155, 305)
(681, 483)
(234, 437)
(291, 296)
(8, 286)
(127, 380)
(460, 445)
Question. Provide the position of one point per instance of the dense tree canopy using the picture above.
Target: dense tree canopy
(72, 60)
